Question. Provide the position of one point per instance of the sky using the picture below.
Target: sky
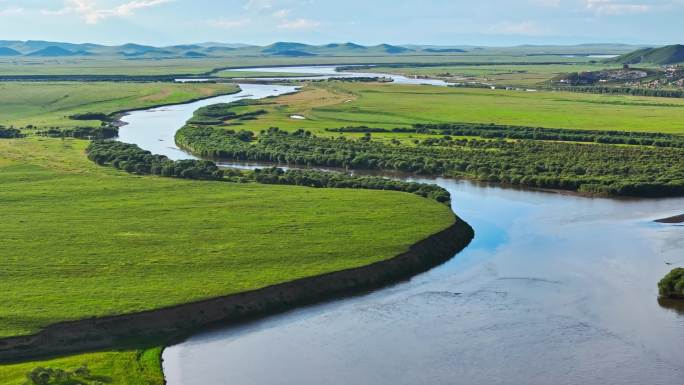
(435, 22)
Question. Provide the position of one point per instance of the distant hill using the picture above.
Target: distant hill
(52, 51)
(194, 54)
(281, 47)
(4, 51)
(671, 54)
(444, 50)
(393, 49)
(293, 52)
(40, 48)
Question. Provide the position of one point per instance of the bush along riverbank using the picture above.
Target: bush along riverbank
(594, 169)
(672, 286)
(133, 159)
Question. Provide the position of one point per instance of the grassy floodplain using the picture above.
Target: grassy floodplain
(48, 104)
(339, 104)
(118, 244)
(82, 240)
(521, 75)
(25, 66)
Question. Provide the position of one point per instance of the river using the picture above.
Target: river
(555, 289)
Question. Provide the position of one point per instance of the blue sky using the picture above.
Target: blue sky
(443, 22)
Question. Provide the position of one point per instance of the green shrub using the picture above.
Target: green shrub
(672, 286)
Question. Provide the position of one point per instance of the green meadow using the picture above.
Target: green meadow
(82, 240)
(520, 75)
(339, 104)
(48, 104)
(130, 367)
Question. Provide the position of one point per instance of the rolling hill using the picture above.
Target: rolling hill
(53, 51)
(4, 51)
(671, 54)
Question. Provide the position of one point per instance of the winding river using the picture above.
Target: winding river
(555, 289)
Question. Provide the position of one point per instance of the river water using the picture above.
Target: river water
(555, 289)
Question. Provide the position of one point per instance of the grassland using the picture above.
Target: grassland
(135, 367)
(521, 75)
(338, 104)
(47, 104)
(81, 240)
(197, 66)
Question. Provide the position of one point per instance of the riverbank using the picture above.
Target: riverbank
(117, 116)
(672, 220)
(180, 321)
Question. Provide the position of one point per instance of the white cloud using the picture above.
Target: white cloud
(526, 28)
(282, 13)
(299, 24)
(612, 7)
(11, 11)
(547, 3)
(92, 14)
(258, 4)
(229, 24)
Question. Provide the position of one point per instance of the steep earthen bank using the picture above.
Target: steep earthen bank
(179, 321)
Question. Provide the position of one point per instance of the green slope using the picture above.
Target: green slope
(671, 54)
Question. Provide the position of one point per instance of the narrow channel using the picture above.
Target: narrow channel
(554, 289)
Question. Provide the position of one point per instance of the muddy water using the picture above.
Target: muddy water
(554, 289)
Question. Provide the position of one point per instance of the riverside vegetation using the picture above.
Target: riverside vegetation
(536, 160)
(672, 286)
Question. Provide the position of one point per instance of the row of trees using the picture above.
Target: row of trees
(635, 91)
(9, 133)
(102, 132)
(596, 168)
(322, 179)
(497, 131)
(133, 159)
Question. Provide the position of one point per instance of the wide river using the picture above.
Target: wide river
(555, 289)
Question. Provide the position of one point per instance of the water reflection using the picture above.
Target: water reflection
(676, 305)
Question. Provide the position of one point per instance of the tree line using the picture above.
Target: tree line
(634, 91)
(102, 132)
(10, 132)
(498, 131)
(590, 168)
(133, 159)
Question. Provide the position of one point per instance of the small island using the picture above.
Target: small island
(672, 286)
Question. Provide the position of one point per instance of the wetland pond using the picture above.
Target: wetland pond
(554, 289)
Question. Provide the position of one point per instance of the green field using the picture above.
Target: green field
(137, 367)
(340, 104)
(197, 66)
(47, 104)
(522, 75)
(120, 244)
